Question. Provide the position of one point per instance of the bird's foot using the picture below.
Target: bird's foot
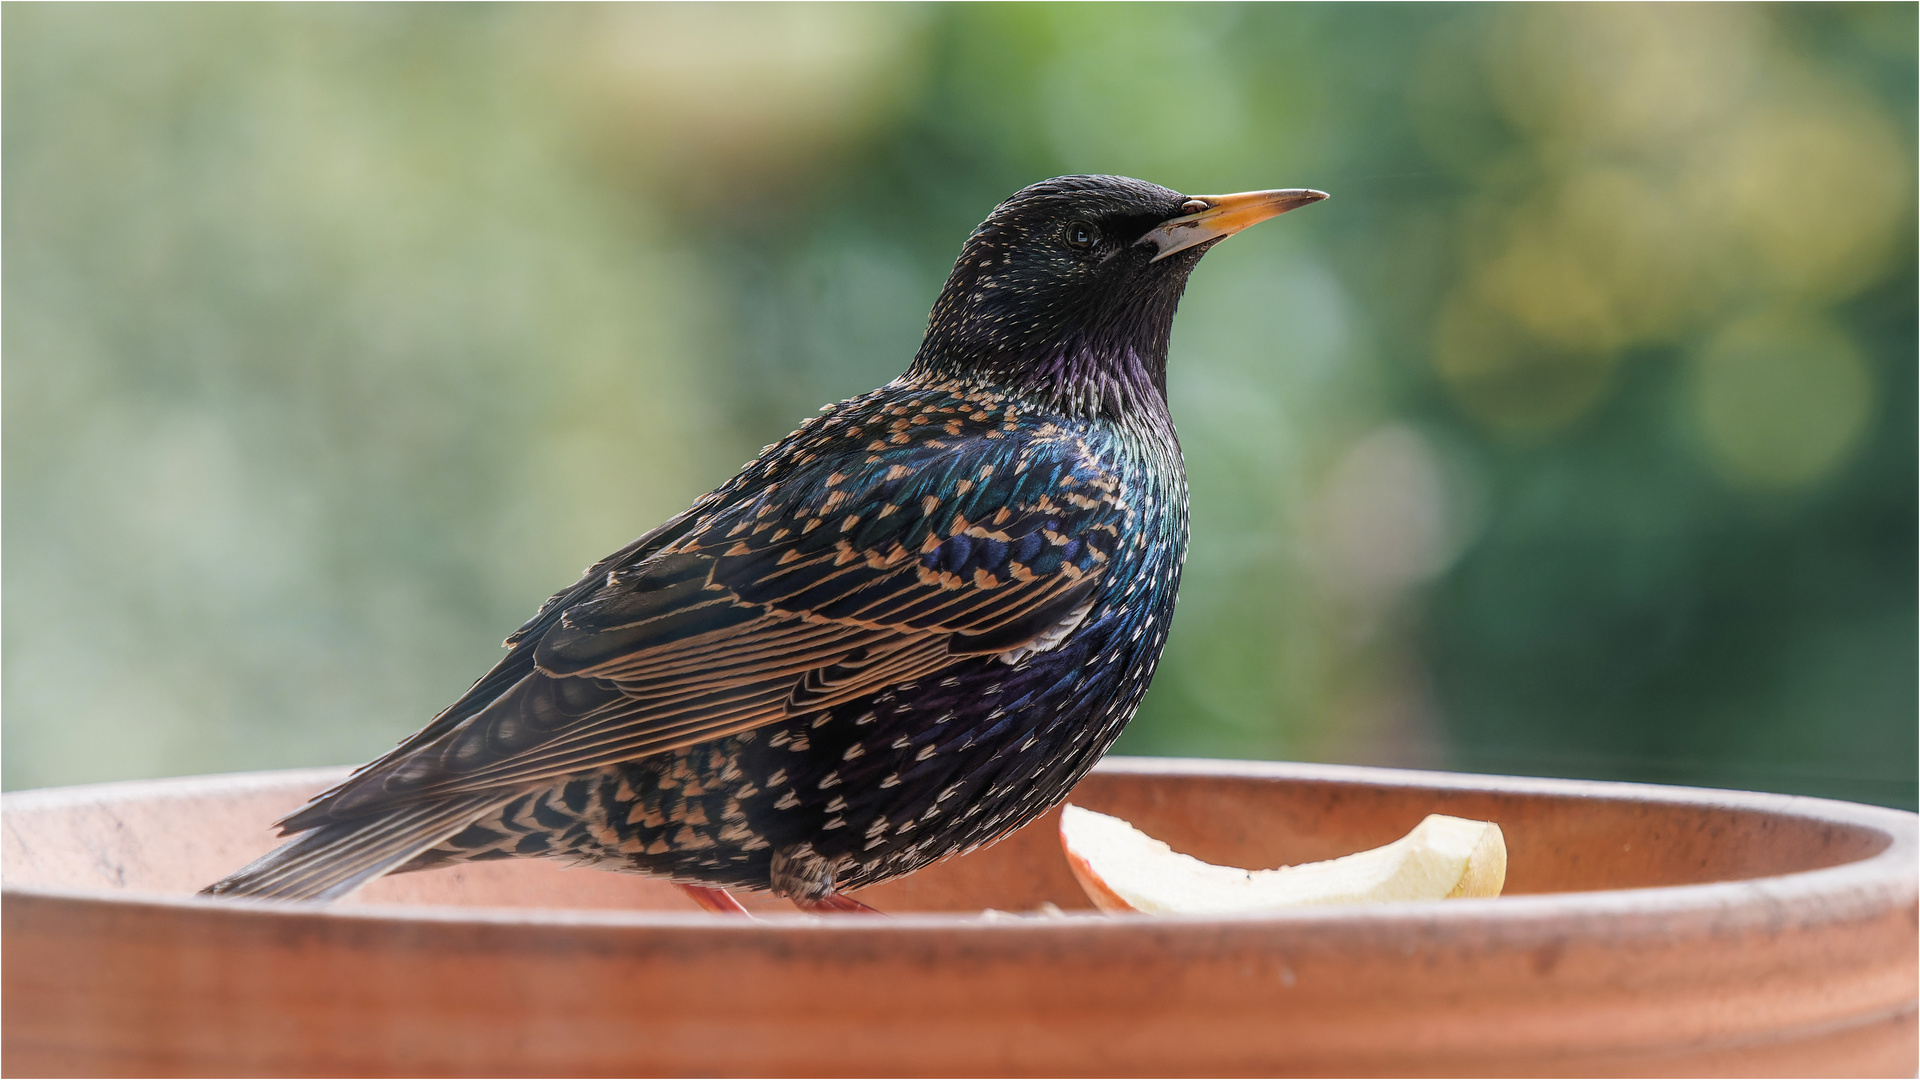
(718, 901)
(835, 901)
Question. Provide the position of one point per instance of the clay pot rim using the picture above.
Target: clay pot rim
(1826, 894)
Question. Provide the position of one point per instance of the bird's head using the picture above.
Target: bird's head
(1067, 290)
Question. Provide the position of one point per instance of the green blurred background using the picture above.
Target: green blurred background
(1574, 436)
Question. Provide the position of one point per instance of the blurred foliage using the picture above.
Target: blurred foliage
(1574, 435)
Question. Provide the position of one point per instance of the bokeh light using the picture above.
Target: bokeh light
(1781, 400)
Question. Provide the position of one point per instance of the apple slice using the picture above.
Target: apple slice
(1124, 869)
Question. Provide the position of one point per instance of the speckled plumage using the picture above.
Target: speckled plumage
(903, 631)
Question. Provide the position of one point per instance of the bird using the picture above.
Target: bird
(903, 631)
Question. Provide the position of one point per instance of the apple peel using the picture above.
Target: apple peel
(1124, 869)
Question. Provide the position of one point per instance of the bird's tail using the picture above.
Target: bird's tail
(332, 860)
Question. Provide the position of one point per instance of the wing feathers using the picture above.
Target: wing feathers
(762, 602)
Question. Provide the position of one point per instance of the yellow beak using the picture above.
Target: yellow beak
(1225, 215)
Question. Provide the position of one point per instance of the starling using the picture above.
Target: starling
(905, 630)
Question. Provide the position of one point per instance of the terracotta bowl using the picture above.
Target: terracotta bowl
(1645, 931)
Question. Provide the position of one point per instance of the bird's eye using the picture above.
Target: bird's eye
(1194, 206)
(1080, 234)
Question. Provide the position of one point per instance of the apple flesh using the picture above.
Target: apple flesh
(1124, 869)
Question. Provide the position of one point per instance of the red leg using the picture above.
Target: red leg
(719, 901)
(834, 901)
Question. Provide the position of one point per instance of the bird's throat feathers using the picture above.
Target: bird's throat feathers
(1086, 355)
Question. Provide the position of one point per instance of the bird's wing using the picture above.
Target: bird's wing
(821, 584)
